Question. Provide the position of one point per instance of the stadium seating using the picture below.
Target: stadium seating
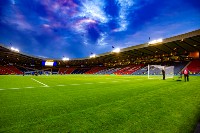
(194, 67)
(94, 70)
(142, 71)
(4, 70)
(122, 70)
(62, 70)
(128, 70)
(80, 70)
(14, 70)
(178, 66)
(132, 69)
(108, 71)
(68, 70)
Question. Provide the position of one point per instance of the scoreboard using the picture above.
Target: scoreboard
(49, 63)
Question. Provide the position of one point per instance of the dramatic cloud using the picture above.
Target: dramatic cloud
(75, 28)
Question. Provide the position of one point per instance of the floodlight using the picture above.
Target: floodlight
(65, 59)
(116, 50)
(156, 41)
(14, 49)
(92, 56)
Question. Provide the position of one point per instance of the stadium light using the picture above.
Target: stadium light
(92, 56)
(14, 49)
(65, 59)
(116, 50)
(155, 41)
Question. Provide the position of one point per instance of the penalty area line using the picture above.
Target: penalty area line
(39, 82)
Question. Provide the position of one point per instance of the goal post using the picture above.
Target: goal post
(155, 71)
(169, 71)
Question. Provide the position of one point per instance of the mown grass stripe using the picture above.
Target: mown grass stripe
(29, 87)
(14, 88)
(88, 83)
(74, 84)
(60, 85)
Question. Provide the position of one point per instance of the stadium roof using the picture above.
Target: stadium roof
(179, 45)
(9, 56)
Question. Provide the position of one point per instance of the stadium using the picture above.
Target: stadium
(99, 66)
(117, 91)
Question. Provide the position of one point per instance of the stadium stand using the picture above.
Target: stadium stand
(62, 70)
(14, 70)
(194, 67)
(80, 70)
(22, 69)
(108, 71)
(133, 69)
(122, 70)
(178, 66)
(142, 71)
(68, 70)
(94, 70)
(4, 70)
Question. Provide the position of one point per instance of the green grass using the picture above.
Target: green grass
(93, 103)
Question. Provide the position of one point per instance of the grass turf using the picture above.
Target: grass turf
(94, 103)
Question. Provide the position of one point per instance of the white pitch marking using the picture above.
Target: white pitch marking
(39, 82)
(1, 89)
(74, 84)
(44, 86)
(29, 87)
(60, 85)
(14, 88)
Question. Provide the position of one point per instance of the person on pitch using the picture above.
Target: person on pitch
(163, 73)
(186, 74)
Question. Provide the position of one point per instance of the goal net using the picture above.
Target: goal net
(155, 71)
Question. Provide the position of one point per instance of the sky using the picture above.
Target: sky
(76, 28)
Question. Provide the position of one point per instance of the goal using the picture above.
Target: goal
(155, 71)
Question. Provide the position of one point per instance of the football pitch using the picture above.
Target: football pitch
(98, 103)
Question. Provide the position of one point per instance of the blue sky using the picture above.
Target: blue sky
(77, 28)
